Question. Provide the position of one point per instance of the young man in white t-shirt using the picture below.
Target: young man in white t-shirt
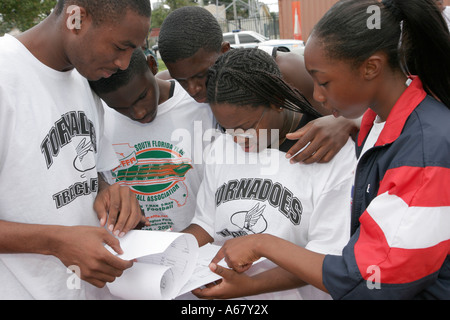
(157, 132)
(54, 202)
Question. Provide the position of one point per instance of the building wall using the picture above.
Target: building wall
(311, 12)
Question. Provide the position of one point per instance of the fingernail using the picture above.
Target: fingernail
(121, 234)
(212, 266)
(111, 228)
(288, 155)
(116, 233)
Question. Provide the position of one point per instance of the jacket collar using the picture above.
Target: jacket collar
(405, 105)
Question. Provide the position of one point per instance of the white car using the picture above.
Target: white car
(250, 39)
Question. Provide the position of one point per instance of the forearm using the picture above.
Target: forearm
(302, 263)
(276, 279)
(28, 238)
(199, 233)
(102, 184)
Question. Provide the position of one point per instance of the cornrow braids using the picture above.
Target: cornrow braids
(251, 76)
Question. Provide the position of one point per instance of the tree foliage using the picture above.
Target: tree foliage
(160, 13)
(23, 14)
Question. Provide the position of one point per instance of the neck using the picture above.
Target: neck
(164, 90)
(392, 88)
(291, 121)
(45, 42)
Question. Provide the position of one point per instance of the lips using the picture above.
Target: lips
(108, 73)
(148, 118)
(200, 99)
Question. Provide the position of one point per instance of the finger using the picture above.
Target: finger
(113, 242)
(316, 156)
(219, 256)
(100, 209)
(113, 214)
(328, 156)
(135, 217)
(301, 143)
(225, 273)
(206, 293)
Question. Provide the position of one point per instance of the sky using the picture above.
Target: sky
(272, 4)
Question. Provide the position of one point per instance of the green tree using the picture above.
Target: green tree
(159, 14)
(241, 7)
(23, 14)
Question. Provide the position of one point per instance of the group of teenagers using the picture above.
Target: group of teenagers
(333, 166)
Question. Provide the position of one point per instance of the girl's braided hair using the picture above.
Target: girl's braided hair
(251, 76)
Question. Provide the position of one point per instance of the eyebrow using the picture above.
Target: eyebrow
(315, 71)
(129, 44)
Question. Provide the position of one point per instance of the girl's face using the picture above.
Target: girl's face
(340, 87)
(253, 128)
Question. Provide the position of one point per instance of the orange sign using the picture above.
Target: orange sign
(297, 20)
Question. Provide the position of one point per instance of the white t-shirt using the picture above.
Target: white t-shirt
(249, 193)
(51, 129)
(374, 133)
(446, 14)
(162, 161)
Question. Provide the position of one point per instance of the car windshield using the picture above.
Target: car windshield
(229, 38)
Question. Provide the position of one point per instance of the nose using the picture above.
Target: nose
(139, 112)
(195, 86)
(318, 95)
(123, 60)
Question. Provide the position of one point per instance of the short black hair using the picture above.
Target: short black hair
(107, 10)
(138, 65)
(185, 31)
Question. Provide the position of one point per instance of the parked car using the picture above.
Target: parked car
(250, 39)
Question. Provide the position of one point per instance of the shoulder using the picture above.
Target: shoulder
(425, 138)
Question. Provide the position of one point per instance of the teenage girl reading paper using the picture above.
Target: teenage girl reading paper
(400, 225)
(249, 188)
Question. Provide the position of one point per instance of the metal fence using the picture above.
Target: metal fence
(267, 26)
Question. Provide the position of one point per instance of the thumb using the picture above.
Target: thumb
(225, 273)
(113, 242)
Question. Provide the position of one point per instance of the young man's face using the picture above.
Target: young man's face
(192, 72)
(99, 51)
(138, 100)
(440, 4)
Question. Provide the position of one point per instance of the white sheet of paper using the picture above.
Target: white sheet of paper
(166, 260)
(144, 282)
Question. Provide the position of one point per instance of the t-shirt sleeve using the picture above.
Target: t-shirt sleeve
(106, 156)
(329, 229)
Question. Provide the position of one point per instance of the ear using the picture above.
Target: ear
(225, 47)
(373, 66)
(152, 64)
(77, 19)
(276, 108)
